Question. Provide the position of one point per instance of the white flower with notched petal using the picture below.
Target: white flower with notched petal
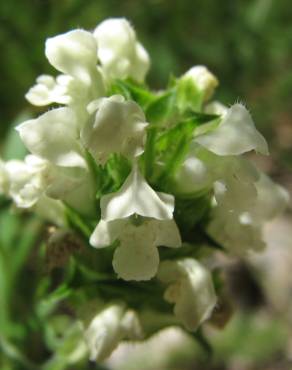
(236, 134)
(119, 52)
(118, 126)
(111, 325)
(191, 290)
(136, 257)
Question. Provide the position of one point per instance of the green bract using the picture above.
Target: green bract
(121, 166)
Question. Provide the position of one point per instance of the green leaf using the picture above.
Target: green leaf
(172, 146)
(132, 91)
(162, 108)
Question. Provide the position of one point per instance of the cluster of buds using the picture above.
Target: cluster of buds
(141, 170)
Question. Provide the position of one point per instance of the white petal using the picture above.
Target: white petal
(192, 292)
(105, 332)
(272, 198)
(142, 63)
(73, 53)
(118, 127)
(235, 195)
(136, 197)
(51, 210)
(167, 233)
(235, 135)
(215, 107)
(53, 136)
(26, 180)
(120, 54)
(106, 232)
(136, 260)
(74, 186)
(131, 325)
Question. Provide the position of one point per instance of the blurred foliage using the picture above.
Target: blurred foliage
(246, 43)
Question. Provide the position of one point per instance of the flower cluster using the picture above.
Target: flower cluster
(136, 171)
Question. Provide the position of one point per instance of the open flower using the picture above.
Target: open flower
(136, 257)
(236, 134)
(109, 326)
(54, 136)
(119, 52)
(191, 290)
(242, 207)
(27, 180)
(118, 126)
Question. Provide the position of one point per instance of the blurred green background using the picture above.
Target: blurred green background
(247, 44)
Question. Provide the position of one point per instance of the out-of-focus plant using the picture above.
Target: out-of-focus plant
(158, 178)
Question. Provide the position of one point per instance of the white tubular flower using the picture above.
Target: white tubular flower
(235, 135)
(27, 180)
(191, 289)
(136, 197)
(117, 127)
(110, 326)
(54, 136)
(203, 80)
(119, 52)
(136, 257)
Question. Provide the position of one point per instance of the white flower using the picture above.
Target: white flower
(111, 325)
(191, 289)
(202, 79)
(54, 136)
(118, 126)
(27, 180)
(136, 257)
(244, 204)
(235, 135)
(119, 52)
